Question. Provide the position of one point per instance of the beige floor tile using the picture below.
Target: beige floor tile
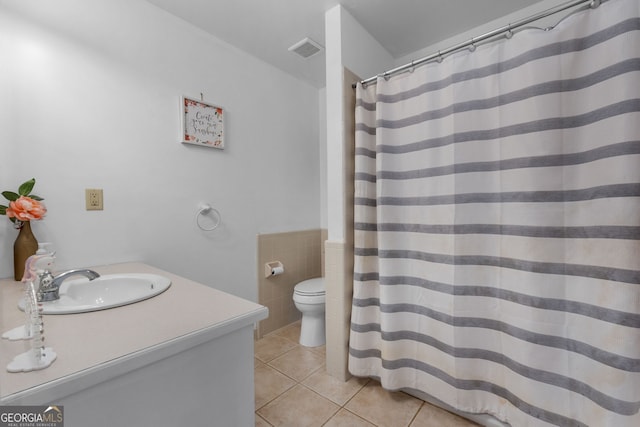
(298, 363)
(345, 418)
(290, 332)
(384, 408)
(272, 346)
(260, 422)
(321, 349)
(332, 388)
(432, 416)
(269, 384)
(293, 389)
(298, 407)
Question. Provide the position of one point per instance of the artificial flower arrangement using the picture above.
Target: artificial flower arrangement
(23, 206)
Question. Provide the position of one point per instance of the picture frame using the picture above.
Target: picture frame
(202, 123)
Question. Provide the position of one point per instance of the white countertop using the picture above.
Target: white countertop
(92, 347)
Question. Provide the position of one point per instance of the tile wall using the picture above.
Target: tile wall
(302, 255)
(339, 268)
(339, 285)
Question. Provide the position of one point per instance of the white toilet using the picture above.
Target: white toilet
(309, 296)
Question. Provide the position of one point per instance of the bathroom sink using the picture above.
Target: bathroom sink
(107, 291)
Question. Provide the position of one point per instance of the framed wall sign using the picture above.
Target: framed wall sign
(202, 123)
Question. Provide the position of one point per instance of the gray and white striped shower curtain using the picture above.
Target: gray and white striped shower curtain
(497, 218)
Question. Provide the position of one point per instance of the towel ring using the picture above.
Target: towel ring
(204, 209)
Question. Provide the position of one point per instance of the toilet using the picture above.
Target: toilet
(308, 297)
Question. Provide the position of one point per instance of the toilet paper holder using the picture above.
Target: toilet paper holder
(273, 268)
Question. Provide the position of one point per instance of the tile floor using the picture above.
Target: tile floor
(293, 389)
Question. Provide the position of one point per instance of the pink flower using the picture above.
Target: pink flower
(26, 209)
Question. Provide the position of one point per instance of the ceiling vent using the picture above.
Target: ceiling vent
(306, 48)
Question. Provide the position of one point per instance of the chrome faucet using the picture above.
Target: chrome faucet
(49, 288)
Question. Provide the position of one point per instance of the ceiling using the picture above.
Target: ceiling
(266, 29)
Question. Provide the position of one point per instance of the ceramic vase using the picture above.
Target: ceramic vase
(24, 246)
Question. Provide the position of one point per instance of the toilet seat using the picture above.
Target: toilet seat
(309, 299)
(310, 288)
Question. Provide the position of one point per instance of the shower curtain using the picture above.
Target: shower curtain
(497, 226)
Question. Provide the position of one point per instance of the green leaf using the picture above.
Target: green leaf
(3, 210)
(34, 197)
(26, 187)
(10, 195)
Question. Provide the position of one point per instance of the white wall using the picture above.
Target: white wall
(348, 45)
(89, 97)
(322, 120)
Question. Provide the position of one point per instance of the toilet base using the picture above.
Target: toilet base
(312, 330)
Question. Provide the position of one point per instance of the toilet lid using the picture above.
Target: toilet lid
(310, 287)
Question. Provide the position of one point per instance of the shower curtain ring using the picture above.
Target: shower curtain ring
(440, 57)
(509, 33)
(472, 46)
(412, 67)
(594, 4)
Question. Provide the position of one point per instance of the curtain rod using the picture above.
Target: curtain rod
(507, 29)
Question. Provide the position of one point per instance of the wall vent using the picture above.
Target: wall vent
(306, 48)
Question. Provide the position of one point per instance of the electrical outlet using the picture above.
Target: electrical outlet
(93, 198)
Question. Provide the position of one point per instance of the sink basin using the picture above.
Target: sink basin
(107, 291)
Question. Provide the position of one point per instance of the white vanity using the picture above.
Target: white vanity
(184, 357)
